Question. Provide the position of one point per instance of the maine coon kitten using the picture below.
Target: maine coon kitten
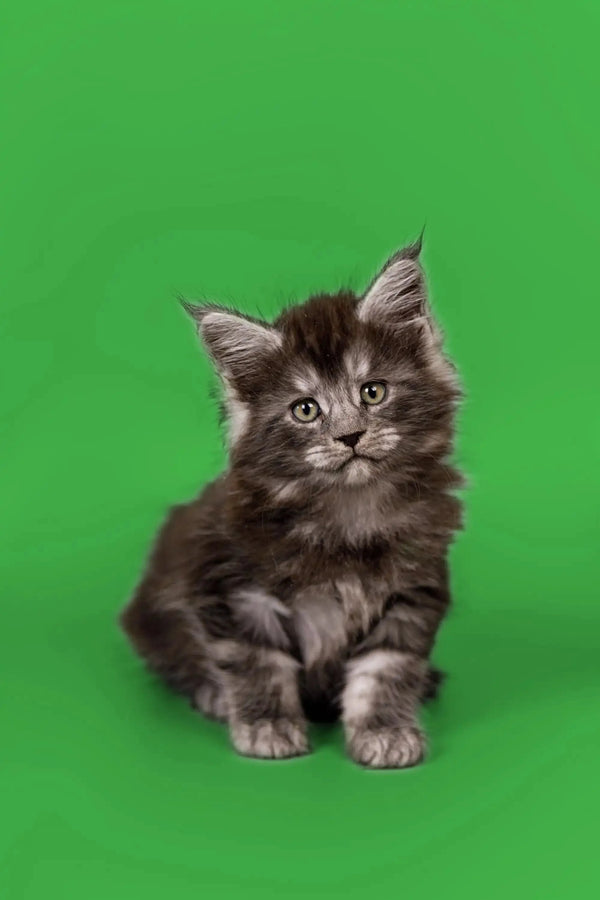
(309, 580)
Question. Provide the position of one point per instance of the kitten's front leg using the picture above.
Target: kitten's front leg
(265, 714)
(380, 702)
(386, 681)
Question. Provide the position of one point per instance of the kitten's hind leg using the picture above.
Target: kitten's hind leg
(169, 636)
(264, 710)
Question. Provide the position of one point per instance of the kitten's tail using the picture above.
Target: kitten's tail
(433, 684)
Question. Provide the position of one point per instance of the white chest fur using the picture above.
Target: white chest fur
(327, 616)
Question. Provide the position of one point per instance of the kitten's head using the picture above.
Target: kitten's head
(341, 389)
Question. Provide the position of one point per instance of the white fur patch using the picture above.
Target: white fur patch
(307, 381)
(320, 625)
(387, 748)
(237, 413)
(286, 490)
(358, 471)
(357, 363)
(328, 457)
(362, 682)
(261, 614)
(270, 740)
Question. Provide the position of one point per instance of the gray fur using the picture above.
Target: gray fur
(310, 579)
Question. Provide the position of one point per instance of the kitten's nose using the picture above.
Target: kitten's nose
(350, 440)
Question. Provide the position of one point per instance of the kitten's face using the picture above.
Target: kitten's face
(339, 390)
(347, 423)
(343, 414)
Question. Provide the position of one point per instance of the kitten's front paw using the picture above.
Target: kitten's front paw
(387, 748)
(266, 739)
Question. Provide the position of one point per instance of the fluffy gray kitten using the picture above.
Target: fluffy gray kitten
(309, 580)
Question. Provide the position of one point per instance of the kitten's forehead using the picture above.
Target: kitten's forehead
(323, 338)
(358, 360)
(356, 363)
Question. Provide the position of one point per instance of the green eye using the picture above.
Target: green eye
(306, 410)
(373, 392)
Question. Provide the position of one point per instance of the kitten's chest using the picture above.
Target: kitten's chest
(330, 616)
(350, 524)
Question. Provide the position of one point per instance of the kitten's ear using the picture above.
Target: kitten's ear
(398, 294)
(235, 342)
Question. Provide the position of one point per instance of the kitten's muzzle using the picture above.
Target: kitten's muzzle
(355, 456)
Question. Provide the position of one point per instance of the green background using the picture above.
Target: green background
(253, 152)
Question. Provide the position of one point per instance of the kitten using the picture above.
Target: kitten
(309, 580)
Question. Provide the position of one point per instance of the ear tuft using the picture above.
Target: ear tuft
(413, 251)
(193, 310)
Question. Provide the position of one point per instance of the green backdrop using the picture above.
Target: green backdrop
(253, 152)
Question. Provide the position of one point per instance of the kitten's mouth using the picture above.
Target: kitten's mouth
(354, 458)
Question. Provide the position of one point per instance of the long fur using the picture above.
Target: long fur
(310, 579)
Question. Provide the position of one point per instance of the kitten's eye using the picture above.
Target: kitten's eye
(373, 392)
(306, 410)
